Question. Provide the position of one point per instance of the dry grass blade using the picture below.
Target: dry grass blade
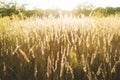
(15, 50)
(24, 55)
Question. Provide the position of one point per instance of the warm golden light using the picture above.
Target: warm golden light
(66, 4)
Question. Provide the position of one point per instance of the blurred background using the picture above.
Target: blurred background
(56, 8)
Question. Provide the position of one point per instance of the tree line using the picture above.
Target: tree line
(10, 9)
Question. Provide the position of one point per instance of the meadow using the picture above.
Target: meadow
(65, 48)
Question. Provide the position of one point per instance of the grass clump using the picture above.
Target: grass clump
(60, 49)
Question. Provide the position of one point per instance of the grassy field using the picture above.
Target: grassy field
(64, 48)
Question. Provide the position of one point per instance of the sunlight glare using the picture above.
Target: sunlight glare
(66, 4)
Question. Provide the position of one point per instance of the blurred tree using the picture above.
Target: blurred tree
(117, 11)
(105, 12)
(8, 9)
(110, 11)
(99, 12)
(35, 12)
(83, 9)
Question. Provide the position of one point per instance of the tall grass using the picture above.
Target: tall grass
(64, 48)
